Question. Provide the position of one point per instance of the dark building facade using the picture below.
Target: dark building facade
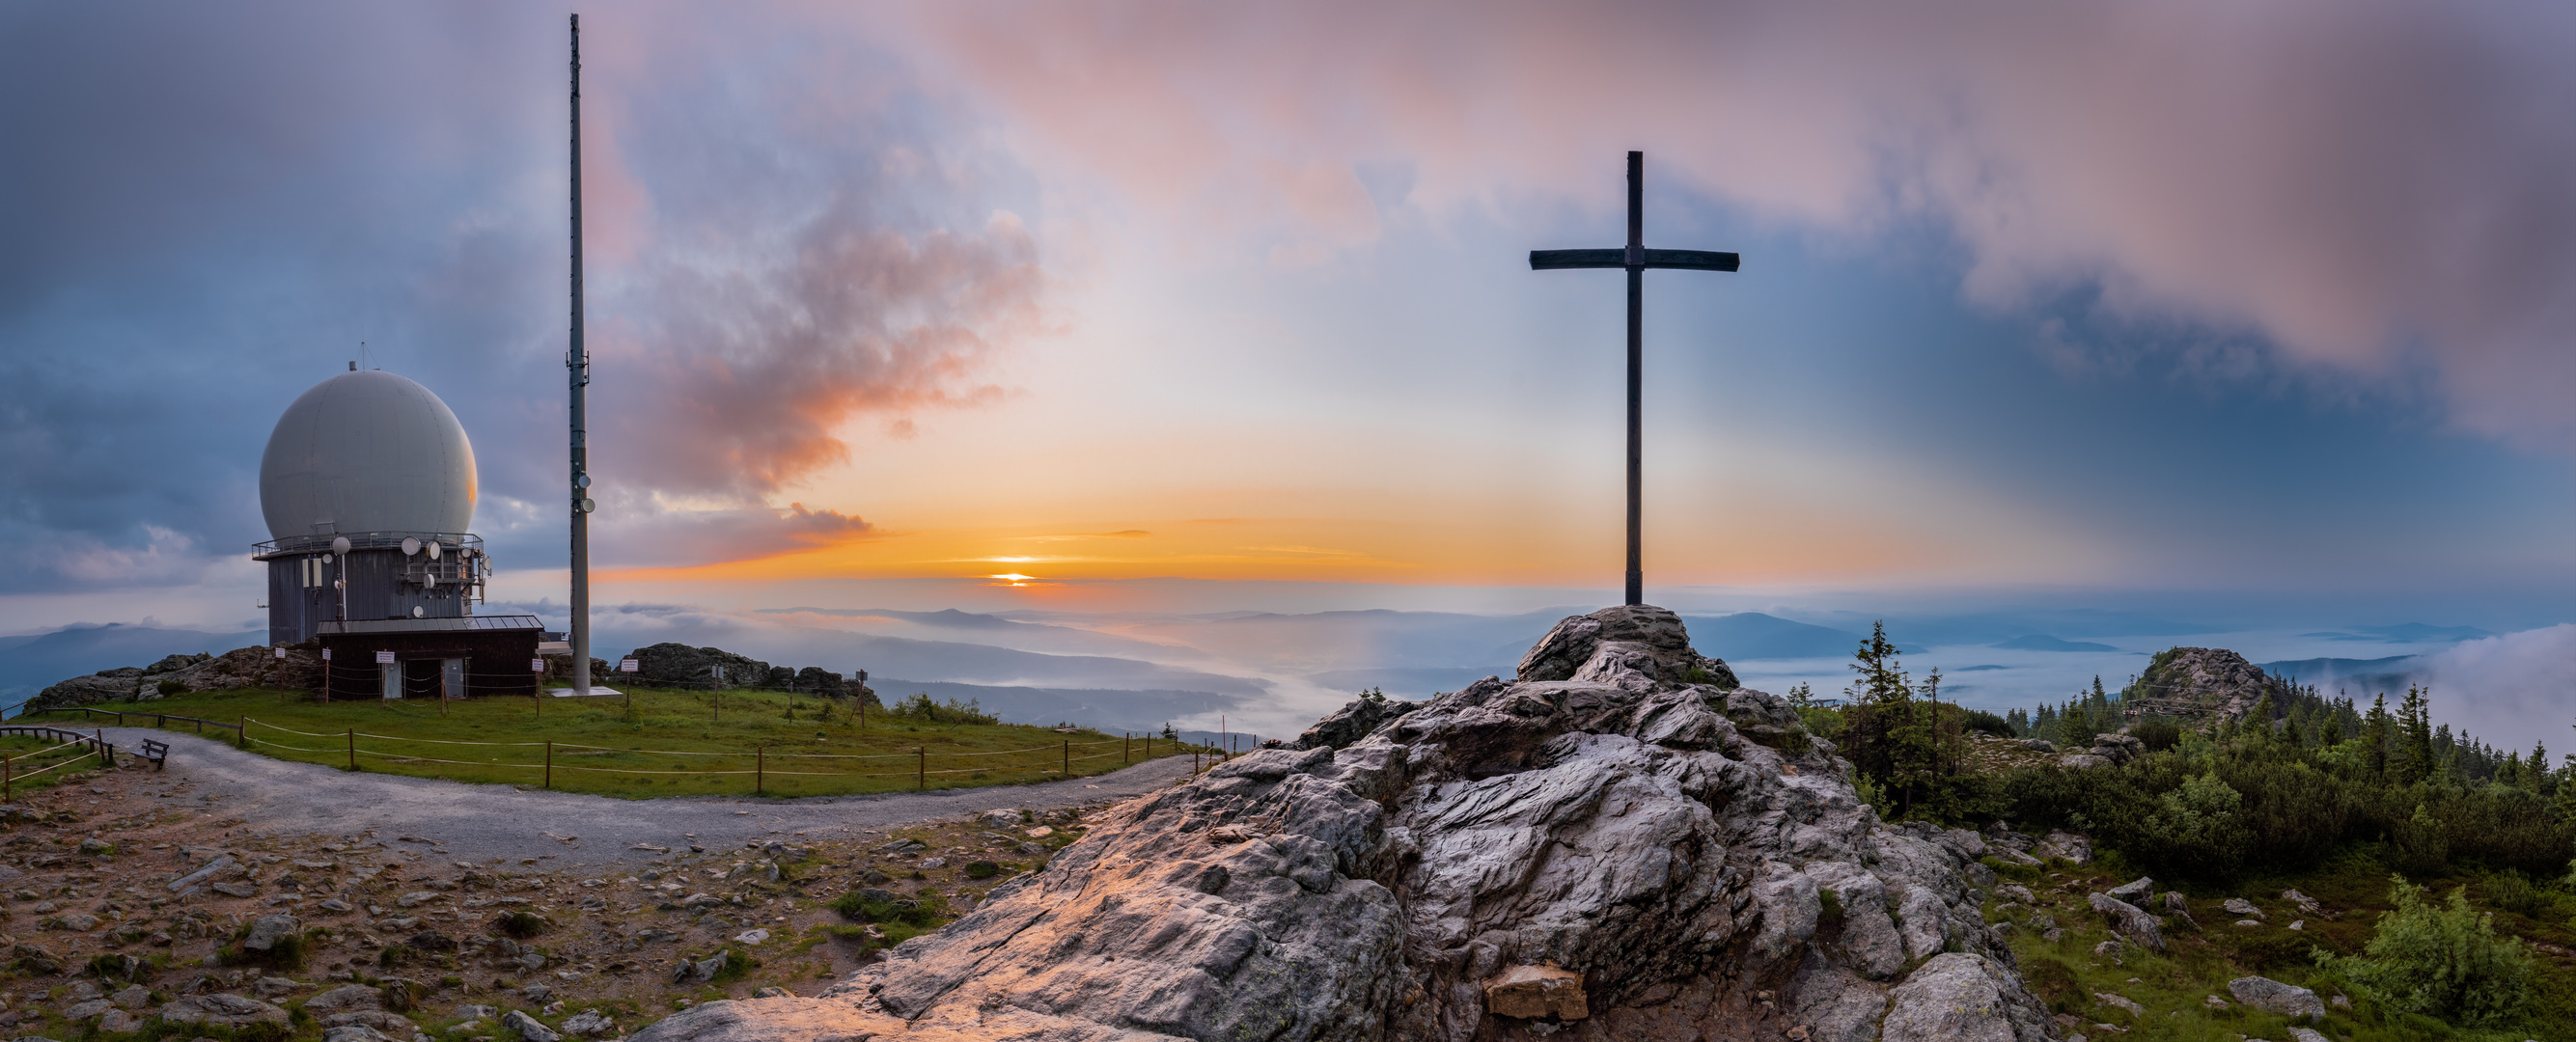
(431, 658)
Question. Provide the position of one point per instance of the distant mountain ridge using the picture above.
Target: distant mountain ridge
(29, 663)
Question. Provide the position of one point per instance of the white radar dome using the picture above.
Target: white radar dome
(367, 451)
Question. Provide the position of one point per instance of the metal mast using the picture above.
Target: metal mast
(577, 361)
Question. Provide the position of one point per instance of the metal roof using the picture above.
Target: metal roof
(361, 627)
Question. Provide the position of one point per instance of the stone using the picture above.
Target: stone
(2213, 1002)
(1531, 992)
(274, 987)
(2176, 904)
(2016, 892)
(118, 1022)
(222, 1010)
(2135, 891)
(35, 959)
(86, 1010)
(2298, 1034)
(2070, 846)
(527, 1028)
(219, 865)
(2118, 748)
(96, 847)
(354, 1033)
(393, 1024)
(229, 889)
(343, 999)
(2083, 761)
(132, 996)
(430, 941)
(751, 936)
(592, 1022)
(1621, 811)
(999, 818)
(1958, 997)
(268, 930)
(2306, 904)
(417, 898)
(2274, 997)
(2130, 921)
(2039, 745)
(2243, 907)
(2119, 1002)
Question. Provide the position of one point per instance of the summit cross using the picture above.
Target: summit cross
(1636, 258)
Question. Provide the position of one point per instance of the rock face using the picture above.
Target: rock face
(301, 669)
(679, 665)
(2213, 677)
(1612, 846)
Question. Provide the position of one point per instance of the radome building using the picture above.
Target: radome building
(368, 486)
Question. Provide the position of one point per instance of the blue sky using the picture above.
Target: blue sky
(2262, 318)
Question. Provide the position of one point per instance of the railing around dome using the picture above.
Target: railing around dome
(319, 544)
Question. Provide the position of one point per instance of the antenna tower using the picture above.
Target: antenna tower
(577, 361)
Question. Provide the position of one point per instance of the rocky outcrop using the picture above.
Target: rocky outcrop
(1347, 725)
(2212, 678)
(679, 665)
(299, 670)
(1614, 845)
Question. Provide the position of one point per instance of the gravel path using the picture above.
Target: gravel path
(489, 821)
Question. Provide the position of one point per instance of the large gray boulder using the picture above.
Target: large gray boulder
(2130, 921)
(1352, 722)
(2276, 998)
(1603, 849)
(1959, 997)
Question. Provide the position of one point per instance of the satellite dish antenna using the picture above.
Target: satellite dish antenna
(340, 545)
(430, 579)
(410, 546)
(434, 547)
(416, 612)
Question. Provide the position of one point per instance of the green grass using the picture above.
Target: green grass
(663, 722)
(28, 755)
(2171, 985)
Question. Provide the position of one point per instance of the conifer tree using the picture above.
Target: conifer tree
(2415, 742)
(2375, 735)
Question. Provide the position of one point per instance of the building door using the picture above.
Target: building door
(451, 677)
(392, 672)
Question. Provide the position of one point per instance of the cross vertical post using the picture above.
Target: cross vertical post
(1635, 258)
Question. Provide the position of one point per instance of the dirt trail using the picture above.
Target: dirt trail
(489, 821)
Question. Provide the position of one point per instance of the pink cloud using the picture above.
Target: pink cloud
(2376, 188)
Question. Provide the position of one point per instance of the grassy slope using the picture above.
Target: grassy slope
(688, 722)
(2172, 986)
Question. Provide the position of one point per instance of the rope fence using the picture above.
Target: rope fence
(1056, 760)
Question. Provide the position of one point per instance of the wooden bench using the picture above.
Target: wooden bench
(158, 752)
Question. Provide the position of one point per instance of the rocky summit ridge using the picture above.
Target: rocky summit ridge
(1619, 843)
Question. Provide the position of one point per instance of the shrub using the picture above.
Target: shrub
(1980, 720)
(982, 870)
(521, 925)
(263, 1031)
(2157, 733)
(2442, 962)
(2509, 890)
(168, 688)
(882, 907)
(919, 707)
(2417, 845)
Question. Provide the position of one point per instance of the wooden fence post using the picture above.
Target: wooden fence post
(1068, 757)
(8, 778)
(353, 748)
(1125, 742)
(105, 759)
(241, 730)
(759, 770)
(922, 779)
(550, 763)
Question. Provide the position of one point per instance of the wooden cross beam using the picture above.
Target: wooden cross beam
(1636, 258)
